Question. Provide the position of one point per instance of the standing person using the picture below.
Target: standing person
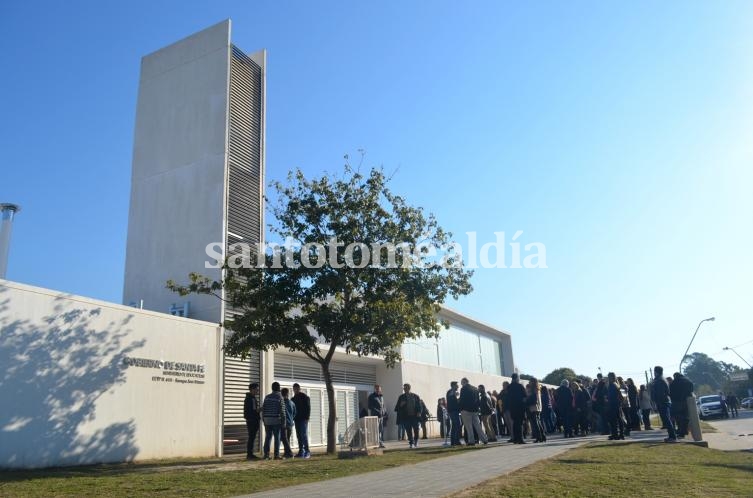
(635, 422)
(408, 408)
(503, 407)
(614, 408)
(565, 404)
(469, 407)
(733, 403)
(486, 409)
(516, 401)
(679, 392)
(599, 403)
(644, 401)
(496, 421)
(377, 409)
(302, 414)
(625, 412)
(669, 380)
(400, 427)
(287, 429)
(453, 410)
(663, 403)
(534, 410)
(546, 410)
(442, 418)
(423, 418)
(723, 402)
(581, 401)
(274, 417)
(251, 414)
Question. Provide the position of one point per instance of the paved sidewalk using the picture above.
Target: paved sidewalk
(437, 477)
(444, 476)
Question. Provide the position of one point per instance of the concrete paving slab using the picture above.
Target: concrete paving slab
(444, 476)
(433, 478)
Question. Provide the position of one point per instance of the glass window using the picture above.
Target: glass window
(422, 350)
(490, 355)
(457, 348)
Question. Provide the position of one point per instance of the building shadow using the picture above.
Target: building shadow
(54, 372)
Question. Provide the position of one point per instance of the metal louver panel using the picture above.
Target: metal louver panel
(299, 368)
(245, 175)
(244, 214)
(238, 374)
(316, 427)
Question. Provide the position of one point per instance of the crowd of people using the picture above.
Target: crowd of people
(610, 406)
(470, 414)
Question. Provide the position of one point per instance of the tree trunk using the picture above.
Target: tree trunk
(331, 443)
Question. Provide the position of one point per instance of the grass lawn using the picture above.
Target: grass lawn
(212, 477)
(631, 469)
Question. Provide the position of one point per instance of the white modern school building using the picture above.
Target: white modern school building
(86, 381)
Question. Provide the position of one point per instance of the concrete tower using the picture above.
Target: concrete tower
(197, 179)
(198, 166)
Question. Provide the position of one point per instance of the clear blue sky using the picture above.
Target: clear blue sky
(618, 134)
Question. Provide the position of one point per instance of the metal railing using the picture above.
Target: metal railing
(361, 435)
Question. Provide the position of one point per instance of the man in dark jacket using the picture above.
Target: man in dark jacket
(423, 418)
(469, 408)
(453, 410)
(408, 408)
(679, 392)
(661, 398)
(516, 399)
(302, 414)
(599, 403)
(251, 414)
(377, 409)
(614, 408)
(564, 397)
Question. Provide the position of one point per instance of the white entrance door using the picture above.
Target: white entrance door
(346, 404)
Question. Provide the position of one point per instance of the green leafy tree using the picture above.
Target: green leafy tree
(703, 389)
(367, 306)
(556, 376)
(701, 369)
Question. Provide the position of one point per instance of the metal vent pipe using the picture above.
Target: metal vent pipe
(7, 213)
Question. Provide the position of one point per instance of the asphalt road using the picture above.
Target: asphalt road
(734, 433)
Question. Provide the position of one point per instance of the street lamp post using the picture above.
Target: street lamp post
(738, 355)
(691, 340)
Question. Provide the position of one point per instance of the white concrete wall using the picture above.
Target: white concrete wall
(430, 382)
(179, 181)
(69, 398)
